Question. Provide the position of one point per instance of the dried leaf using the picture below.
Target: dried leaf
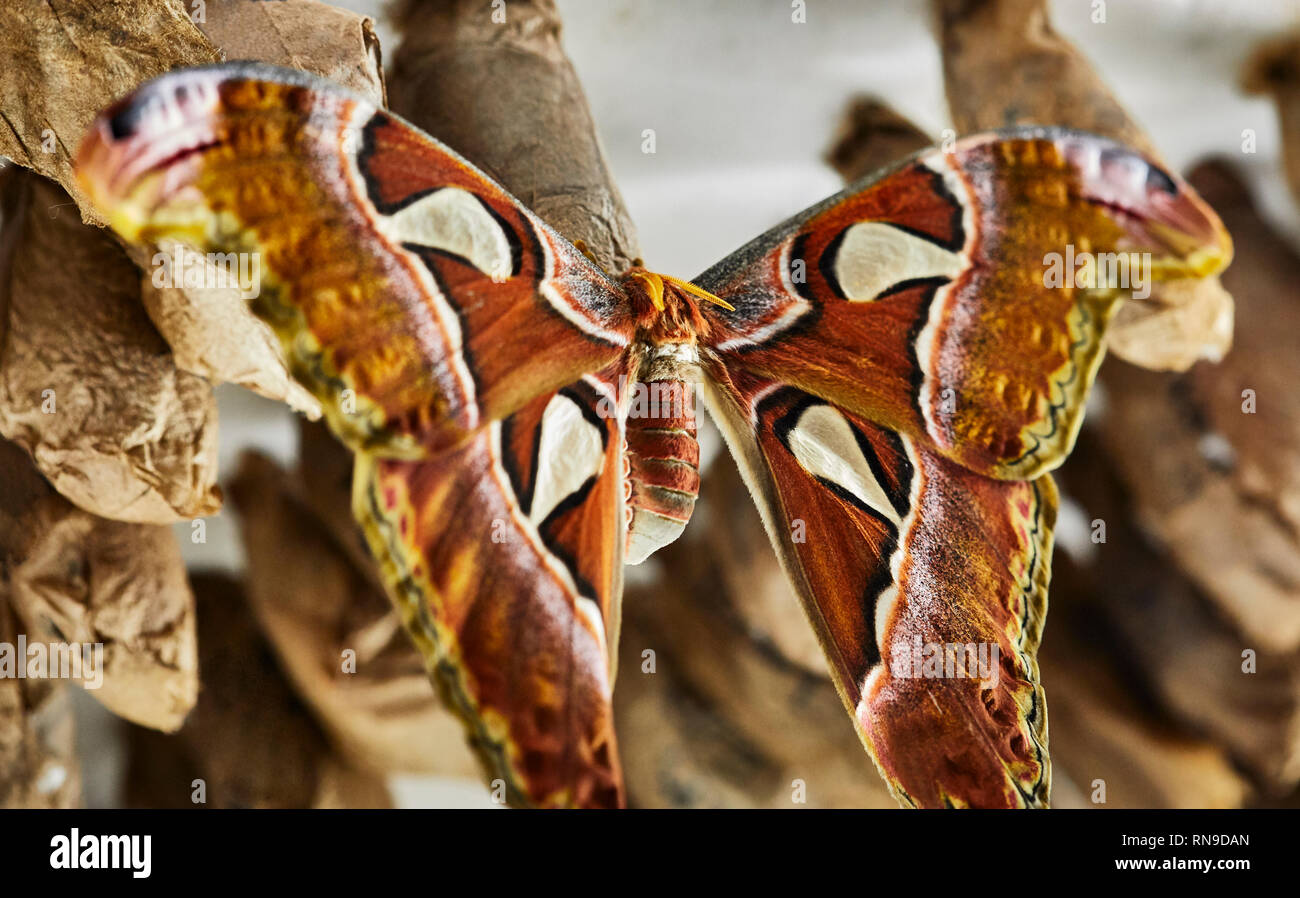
(86, 384)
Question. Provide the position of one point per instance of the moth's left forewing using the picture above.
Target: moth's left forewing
(504, 555)
(412, 295)
(901, 557)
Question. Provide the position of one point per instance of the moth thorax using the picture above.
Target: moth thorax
(669, 361)
(661, 461)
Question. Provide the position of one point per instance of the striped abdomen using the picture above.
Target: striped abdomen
(663, 462)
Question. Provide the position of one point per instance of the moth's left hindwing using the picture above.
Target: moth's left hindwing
(415, 297)
(925, 583)
(505, 558)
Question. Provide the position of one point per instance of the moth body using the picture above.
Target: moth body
(662, 455)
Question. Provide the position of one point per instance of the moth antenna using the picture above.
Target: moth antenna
(581, 246)
(699, 293)
(655, 284)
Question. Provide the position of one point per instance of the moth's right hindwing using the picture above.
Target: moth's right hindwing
(902, 559)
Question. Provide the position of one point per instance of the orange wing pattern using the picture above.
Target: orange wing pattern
(505, 558)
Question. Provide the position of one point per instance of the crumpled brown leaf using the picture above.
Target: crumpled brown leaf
(1004, 65)
(87, 386)
(71, 577)
(65, 60)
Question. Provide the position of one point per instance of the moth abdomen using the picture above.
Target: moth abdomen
(663, 460)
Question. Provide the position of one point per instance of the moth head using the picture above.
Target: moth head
(667, 308)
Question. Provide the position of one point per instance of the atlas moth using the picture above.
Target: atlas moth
(888, 367)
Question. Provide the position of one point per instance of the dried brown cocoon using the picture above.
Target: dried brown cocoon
(324, 486)
(871, 135)
(339, 639)
(250, 742)
(1274, 69)
(38, 762)
(724, 717)
(87, 385)
(1179, 650)
(1004, 65)
(504, 95)
(64, 62)
(303, 34)
(760, 597)
(1103, 737)
(71, 577)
